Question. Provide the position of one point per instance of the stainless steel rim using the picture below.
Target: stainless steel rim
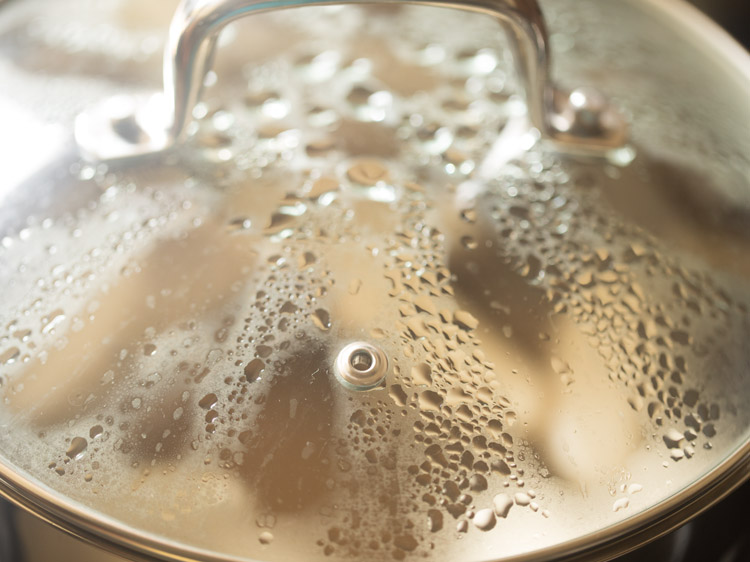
(106, 533)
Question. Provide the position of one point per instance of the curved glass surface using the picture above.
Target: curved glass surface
(565, 335)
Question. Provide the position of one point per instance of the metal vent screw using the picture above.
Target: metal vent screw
(361, 366)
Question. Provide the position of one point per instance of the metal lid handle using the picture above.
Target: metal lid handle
(580, 119)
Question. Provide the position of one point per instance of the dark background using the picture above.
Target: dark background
(733, 15)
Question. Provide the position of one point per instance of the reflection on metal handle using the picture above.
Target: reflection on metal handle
(579, 119)
(197, 22)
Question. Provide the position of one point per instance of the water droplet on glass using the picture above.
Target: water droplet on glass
(208, 401)
(622, 503)
(477, 483)
(321, 319)
(634, 488)
(240, 223)
(367, 172)
(405, 542)
(10, 356)
(469, 215)
(501, 504)
(398, 395)
(484, 519)
(51, 320)
(421, 374)
(465, 320)
(77, 447)
(522, 499)
(434, 520)
(265, 538)
(276, 108)
(430, 400)
(254, 369)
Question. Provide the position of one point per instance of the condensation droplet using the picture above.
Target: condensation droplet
(421, 374)
(634, 488)
(622, 503)
(265, 538)
(522, 499)
(405, 542)
(367, 172)
(484, 519)
(501, 504)
(465, 320)
(208, 401)
(10, 356)
(321, 319)
(254, 369)
(430, 400)
(50, 321)
(434, 520)
(77, 447)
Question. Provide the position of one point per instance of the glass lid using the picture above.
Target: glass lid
(369, 301)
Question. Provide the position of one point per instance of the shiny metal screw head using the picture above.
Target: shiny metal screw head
(361, 366)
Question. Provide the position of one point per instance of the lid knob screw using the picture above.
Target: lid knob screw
(361, 366)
